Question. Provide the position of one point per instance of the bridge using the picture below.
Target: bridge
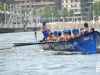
(5, 28)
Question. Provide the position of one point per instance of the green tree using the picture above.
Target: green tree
(34, 9)
(98, 8)
(90, 12)
(94, 8)
(54, 11)
(70, 13)
(1, 14)
(64, 13)
(46, 12)
(0, 6)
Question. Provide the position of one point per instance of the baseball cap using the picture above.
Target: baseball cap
(43, 21)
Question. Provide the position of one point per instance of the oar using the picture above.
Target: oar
(25, 44)
(9, 46)
(36, 36)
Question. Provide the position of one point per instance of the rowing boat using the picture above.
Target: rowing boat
(88, 43)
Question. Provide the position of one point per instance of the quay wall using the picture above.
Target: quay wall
(55, 26)
(51, 26)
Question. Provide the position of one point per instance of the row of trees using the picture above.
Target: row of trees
(50, 11)
(46, 13)
(1, 14)
(94, 10)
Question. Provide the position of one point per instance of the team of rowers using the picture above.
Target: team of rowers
(63, 35)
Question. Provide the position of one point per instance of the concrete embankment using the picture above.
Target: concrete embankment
(18, 28)
(64, 25)
(9, 30)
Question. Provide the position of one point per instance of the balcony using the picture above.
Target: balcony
(36, 3)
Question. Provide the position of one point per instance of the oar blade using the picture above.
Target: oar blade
(26, 44)
(6, 46)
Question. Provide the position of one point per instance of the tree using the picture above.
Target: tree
(94, 10)
(70, 13)
(0, 6)
(90, 12)
(46, 12)
(34, 9)
(64, 13)
(1, 14)
(54, 11)
(98, 8)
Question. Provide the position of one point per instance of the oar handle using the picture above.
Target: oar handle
(36, 36)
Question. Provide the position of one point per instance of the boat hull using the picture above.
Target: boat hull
(87, 44)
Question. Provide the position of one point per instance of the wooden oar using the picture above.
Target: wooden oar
(25, 44)
(9, 46)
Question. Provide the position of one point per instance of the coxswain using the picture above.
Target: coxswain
(44, 30)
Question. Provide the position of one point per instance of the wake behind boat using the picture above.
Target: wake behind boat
(88, 43)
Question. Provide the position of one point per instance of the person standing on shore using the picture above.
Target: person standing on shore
(25, 24)
(44, 30)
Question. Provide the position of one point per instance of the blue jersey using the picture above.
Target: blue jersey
(45, 33)
(86, 31)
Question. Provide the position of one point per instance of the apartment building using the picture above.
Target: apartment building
(8, 2)
(80, 8)
(32, 3)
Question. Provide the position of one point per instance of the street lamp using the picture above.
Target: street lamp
(16, 14)
(5, 12)
(10, 15)
(52, 17)
(30, 17)
(81, 17)
(13, 9)
(20, 16)
(93, 16)
(25, 17)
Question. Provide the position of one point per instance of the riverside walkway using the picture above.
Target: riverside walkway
(4, 28)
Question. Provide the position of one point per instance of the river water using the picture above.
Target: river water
(32, 60)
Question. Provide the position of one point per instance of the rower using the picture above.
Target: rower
(92, 30)
(60, 38)
(85, 30)
(65, 35)
(54, 36)
(69, 34)
(44, 30)
(49, 38)
(74, 33)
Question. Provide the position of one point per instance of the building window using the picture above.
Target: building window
(74, 0)
(74, 5)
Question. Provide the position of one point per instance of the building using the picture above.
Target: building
(80, 8)
(32, 3)
(8, 2)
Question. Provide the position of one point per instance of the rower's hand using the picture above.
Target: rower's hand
(48, 29)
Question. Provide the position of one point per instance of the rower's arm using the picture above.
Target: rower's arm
(80, 33)
(42, 29)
